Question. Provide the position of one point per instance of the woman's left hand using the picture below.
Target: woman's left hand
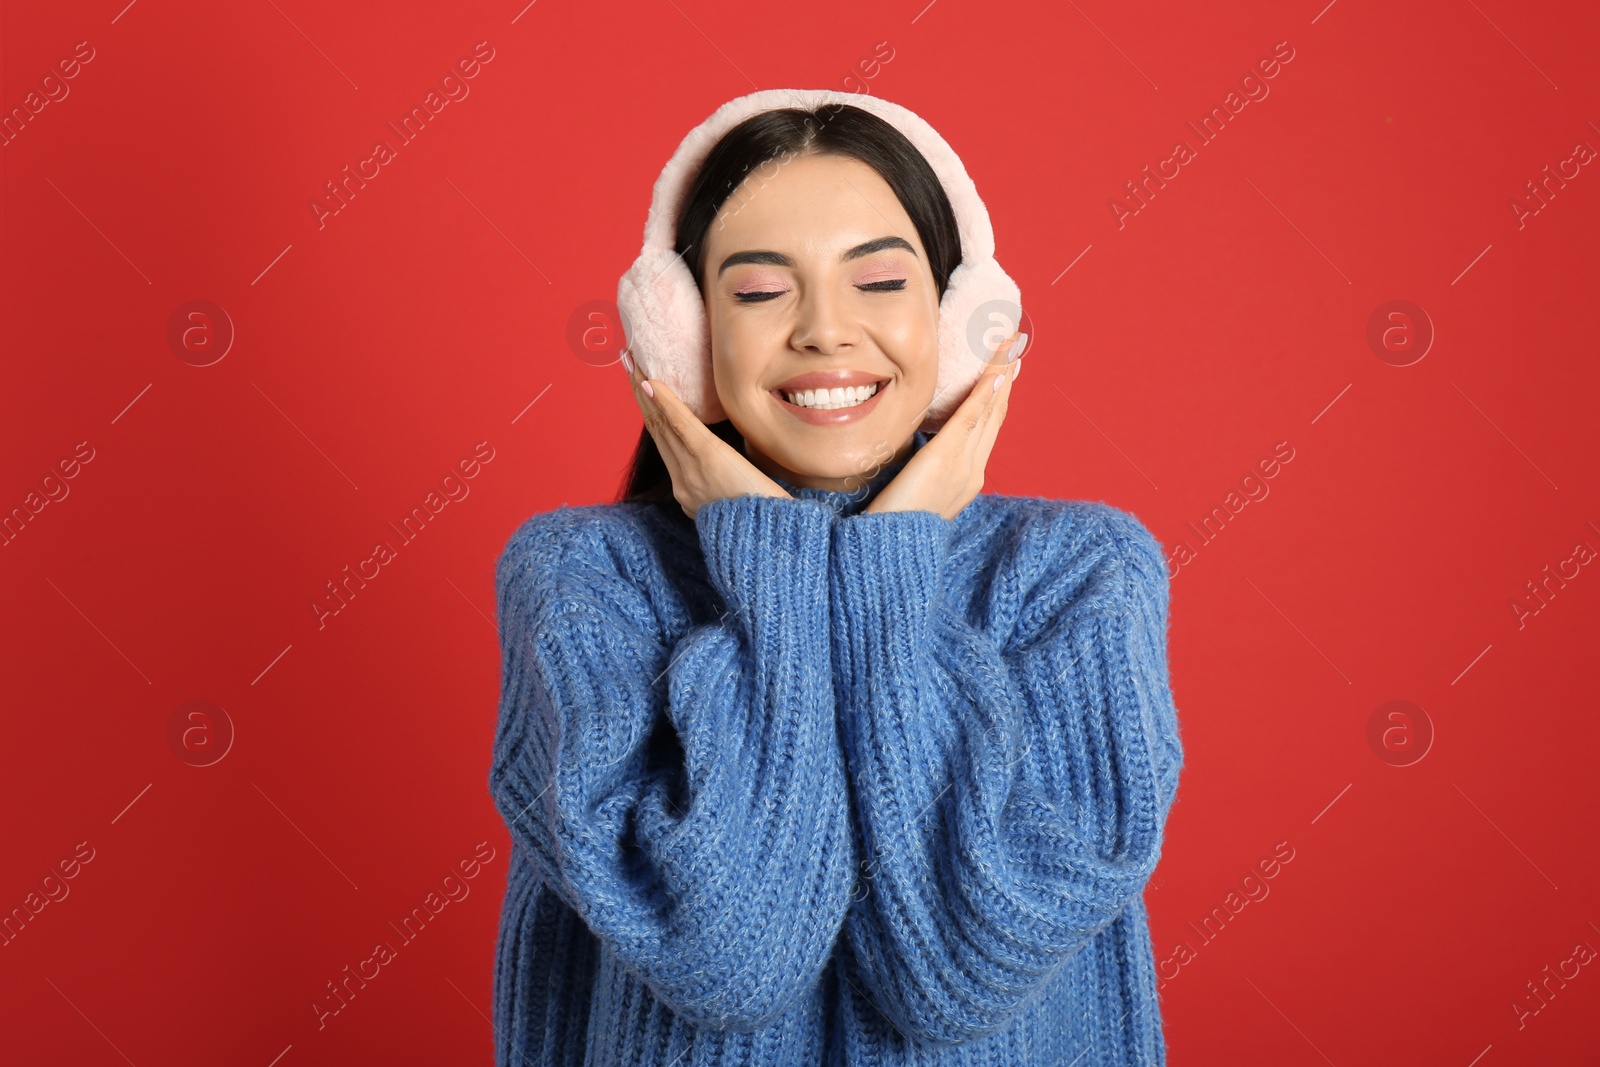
(947, 472)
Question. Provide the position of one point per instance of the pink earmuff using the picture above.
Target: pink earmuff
(664, 317)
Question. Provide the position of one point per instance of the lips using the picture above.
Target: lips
(828, 379)
(842, 416)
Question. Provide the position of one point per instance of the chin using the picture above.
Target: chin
(865, 452)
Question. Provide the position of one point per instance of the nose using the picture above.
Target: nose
(823, 324)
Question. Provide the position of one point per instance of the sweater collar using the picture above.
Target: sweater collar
(853, 501)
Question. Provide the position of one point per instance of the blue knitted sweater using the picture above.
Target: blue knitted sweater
(791, 784)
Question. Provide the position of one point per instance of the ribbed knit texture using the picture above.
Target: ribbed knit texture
(793, 784)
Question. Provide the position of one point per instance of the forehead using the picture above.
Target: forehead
(817, 203)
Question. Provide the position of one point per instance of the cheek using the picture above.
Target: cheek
(912, 340)
(734, 378)
(743, 332)
(735, 349)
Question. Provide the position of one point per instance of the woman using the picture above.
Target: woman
(811, 752)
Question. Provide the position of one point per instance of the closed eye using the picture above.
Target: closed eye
(893, 285)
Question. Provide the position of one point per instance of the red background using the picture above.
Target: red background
(432, 313)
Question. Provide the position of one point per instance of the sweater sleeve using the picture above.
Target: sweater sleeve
(685, 797)
(1012, 800)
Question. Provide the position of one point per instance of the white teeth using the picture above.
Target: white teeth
(828, 399)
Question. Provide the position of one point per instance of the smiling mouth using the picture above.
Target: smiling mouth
(831, 399)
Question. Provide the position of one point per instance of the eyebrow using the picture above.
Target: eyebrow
(778, 259)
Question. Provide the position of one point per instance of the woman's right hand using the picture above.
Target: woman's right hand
(703, 466)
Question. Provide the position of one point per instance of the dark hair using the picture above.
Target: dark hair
(833, 129)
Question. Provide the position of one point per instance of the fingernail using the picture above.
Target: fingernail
(998, 378)
(627, 362)
(1017, 373)
(1020, 347)
(649, 392)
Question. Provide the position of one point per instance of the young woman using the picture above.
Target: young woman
(810, 751)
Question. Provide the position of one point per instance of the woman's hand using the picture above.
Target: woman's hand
(703, 466)
(947, 472)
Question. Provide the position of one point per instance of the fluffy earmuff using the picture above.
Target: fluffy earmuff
(664, 316)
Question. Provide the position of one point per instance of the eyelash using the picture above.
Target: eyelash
(899, 285)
